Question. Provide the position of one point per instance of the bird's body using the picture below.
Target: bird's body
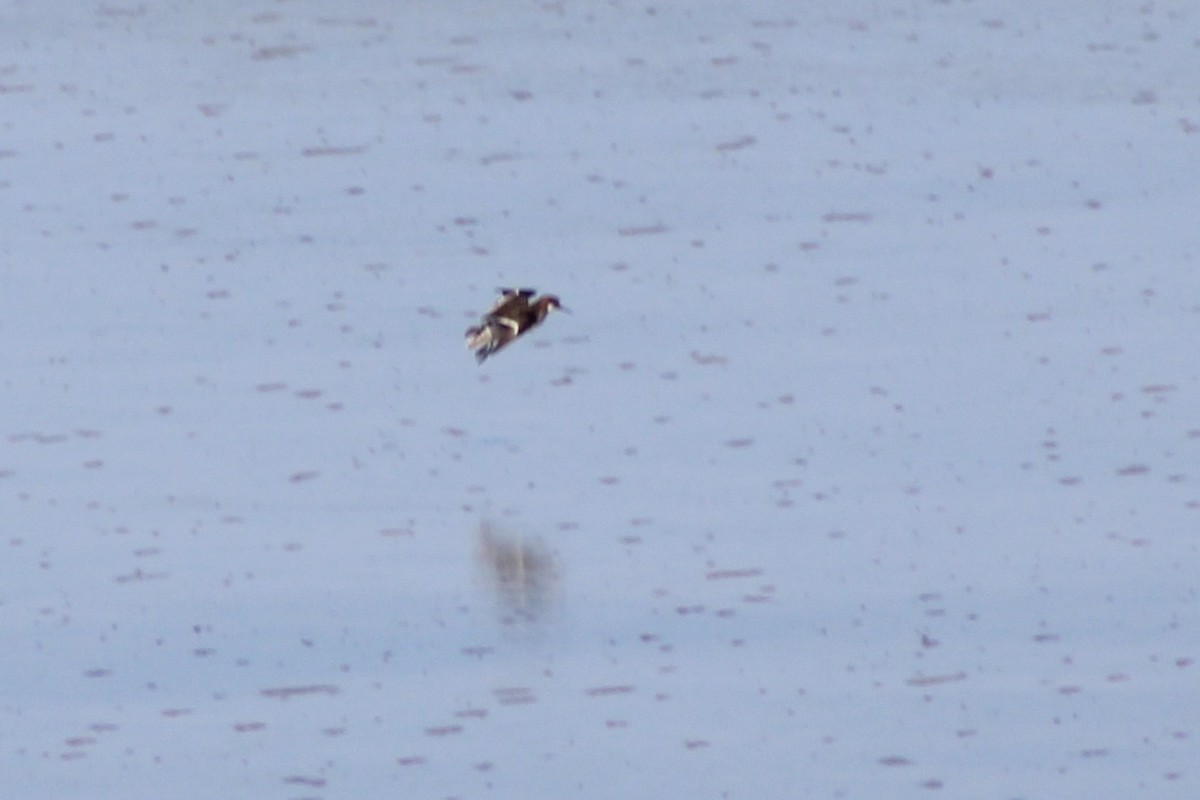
(512, 315)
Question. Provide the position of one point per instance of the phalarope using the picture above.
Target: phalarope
(512, 315)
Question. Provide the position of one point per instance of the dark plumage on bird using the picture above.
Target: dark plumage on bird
(510, 317)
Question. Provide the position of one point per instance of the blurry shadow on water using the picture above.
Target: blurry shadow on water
(520, 571)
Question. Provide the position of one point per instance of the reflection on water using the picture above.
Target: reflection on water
(521, 571)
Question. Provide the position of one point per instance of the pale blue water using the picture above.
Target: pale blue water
(863, 467)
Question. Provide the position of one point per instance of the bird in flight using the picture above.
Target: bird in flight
(511, 316)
